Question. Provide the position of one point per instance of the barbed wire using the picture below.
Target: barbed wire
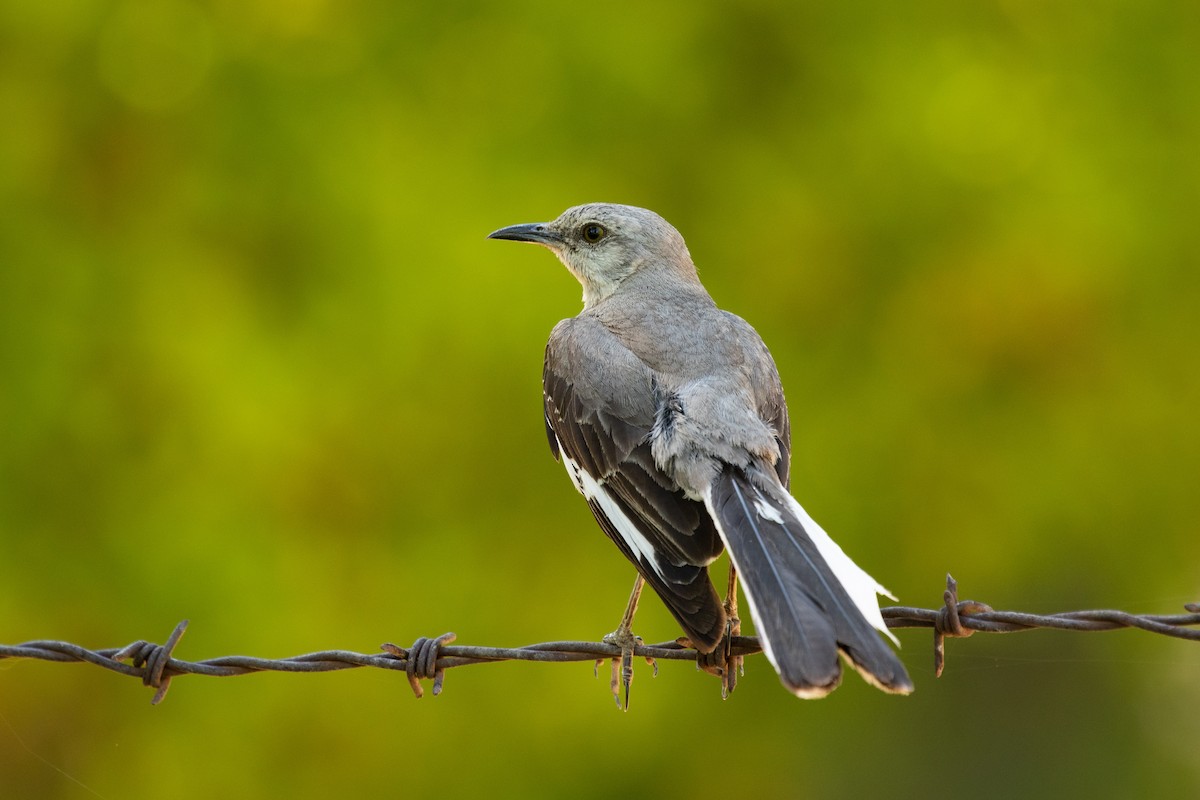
(428, 659)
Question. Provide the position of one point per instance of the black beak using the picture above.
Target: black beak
(536, 232)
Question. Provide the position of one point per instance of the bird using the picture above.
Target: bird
(669, 417)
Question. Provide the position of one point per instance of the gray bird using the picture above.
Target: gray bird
(669, 417)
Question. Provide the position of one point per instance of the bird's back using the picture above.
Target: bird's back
(712, 361)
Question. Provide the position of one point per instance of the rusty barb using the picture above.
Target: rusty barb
(949, 622)
(960, 619)
(428, 659)
(421, 661)
(152, 659)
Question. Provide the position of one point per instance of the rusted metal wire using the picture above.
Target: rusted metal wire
(428, 659)
(959, 619)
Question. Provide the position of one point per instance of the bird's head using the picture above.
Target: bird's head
(602, 244)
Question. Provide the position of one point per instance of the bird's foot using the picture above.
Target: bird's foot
(721, 662)
(622, 665)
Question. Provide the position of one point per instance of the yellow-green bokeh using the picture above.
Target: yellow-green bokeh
(260, 368)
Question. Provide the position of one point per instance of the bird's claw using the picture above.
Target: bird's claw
(622, 665)
(735, 665)
(721, 661)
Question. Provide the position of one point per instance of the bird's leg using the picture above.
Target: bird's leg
(721, 661)
(733, 627)
(624, 637)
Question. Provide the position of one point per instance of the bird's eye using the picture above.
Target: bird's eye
(592, 232)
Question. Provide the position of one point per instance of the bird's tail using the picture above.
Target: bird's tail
(807, 598)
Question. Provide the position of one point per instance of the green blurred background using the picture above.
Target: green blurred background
(261, 369)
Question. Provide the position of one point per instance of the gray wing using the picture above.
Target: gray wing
(600, 403)
(772, 406)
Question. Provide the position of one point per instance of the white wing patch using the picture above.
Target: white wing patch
(594, 490)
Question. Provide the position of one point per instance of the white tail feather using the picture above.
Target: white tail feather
(862, 588)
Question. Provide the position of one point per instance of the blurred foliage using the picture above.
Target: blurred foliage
(260, 368)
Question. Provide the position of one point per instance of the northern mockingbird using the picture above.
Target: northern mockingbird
(669, 417)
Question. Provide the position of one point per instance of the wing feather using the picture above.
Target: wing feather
(639, 507)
